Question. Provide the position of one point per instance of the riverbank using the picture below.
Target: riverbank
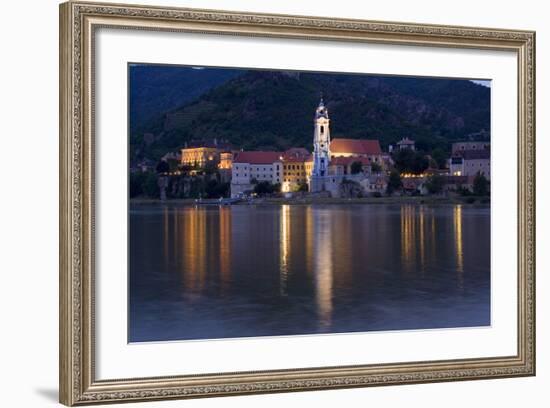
(417, 200)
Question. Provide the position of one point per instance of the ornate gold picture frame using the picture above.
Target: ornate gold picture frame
(78, 24)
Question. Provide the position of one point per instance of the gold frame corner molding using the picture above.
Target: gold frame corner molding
(78, 23)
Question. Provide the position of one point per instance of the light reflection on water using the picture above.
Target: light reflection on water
(323, 268)
(240, 271)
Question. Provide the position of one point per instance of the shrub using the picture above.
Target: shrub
(303, 187)
(151, 186)
(265, 188)
(435, 184)
(463, 191)
(481, 185)
(215, 189)
(162, 167)
(375, 168)
(356, 167)
(136, 184)
(410, 161)
(394, 183)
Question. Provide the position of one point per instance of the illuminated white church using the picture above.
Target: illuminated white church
(321, 148)
(333, 158)
(325, 169)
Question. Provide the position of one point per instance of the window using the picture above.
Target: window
(322, 129)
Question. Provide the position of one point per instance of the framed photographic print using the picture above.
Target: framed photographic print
(260, 203)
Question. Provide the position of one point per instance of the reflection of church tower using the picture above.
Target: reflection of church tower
(321, 147)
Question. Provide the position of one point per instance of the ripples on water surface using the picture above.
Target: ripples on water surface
(241, 271)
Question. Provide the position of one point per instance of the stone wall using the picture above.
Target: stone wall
(239, 189)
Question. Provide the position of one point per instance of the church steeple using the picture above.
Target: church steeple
(321, 140)
(321, 110)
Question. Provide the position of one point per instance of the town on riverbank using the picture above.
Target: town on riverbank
(336, 170)
(259, 208)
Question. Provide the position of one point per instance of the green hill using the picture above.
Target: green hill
(274, 110)
(155, 89)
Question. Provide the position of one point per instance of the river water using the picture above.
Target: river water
(240, 271)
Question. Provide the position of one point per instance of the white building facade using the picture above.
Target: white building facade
(249, 168)
(469, 163)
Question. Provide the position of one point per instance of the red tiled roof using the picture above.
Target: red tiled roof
(297, 151)
(297, 154)
(257, 157)
(293, 159)
(355, 146)
(346, 161)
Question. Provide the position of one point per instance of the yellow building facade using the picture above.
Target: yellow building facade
(226, 160)
(297, 167)
(199, 156)
(296, 173)
(199, 153)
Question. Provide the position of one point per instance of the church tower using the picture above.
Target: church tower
(321, 141)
